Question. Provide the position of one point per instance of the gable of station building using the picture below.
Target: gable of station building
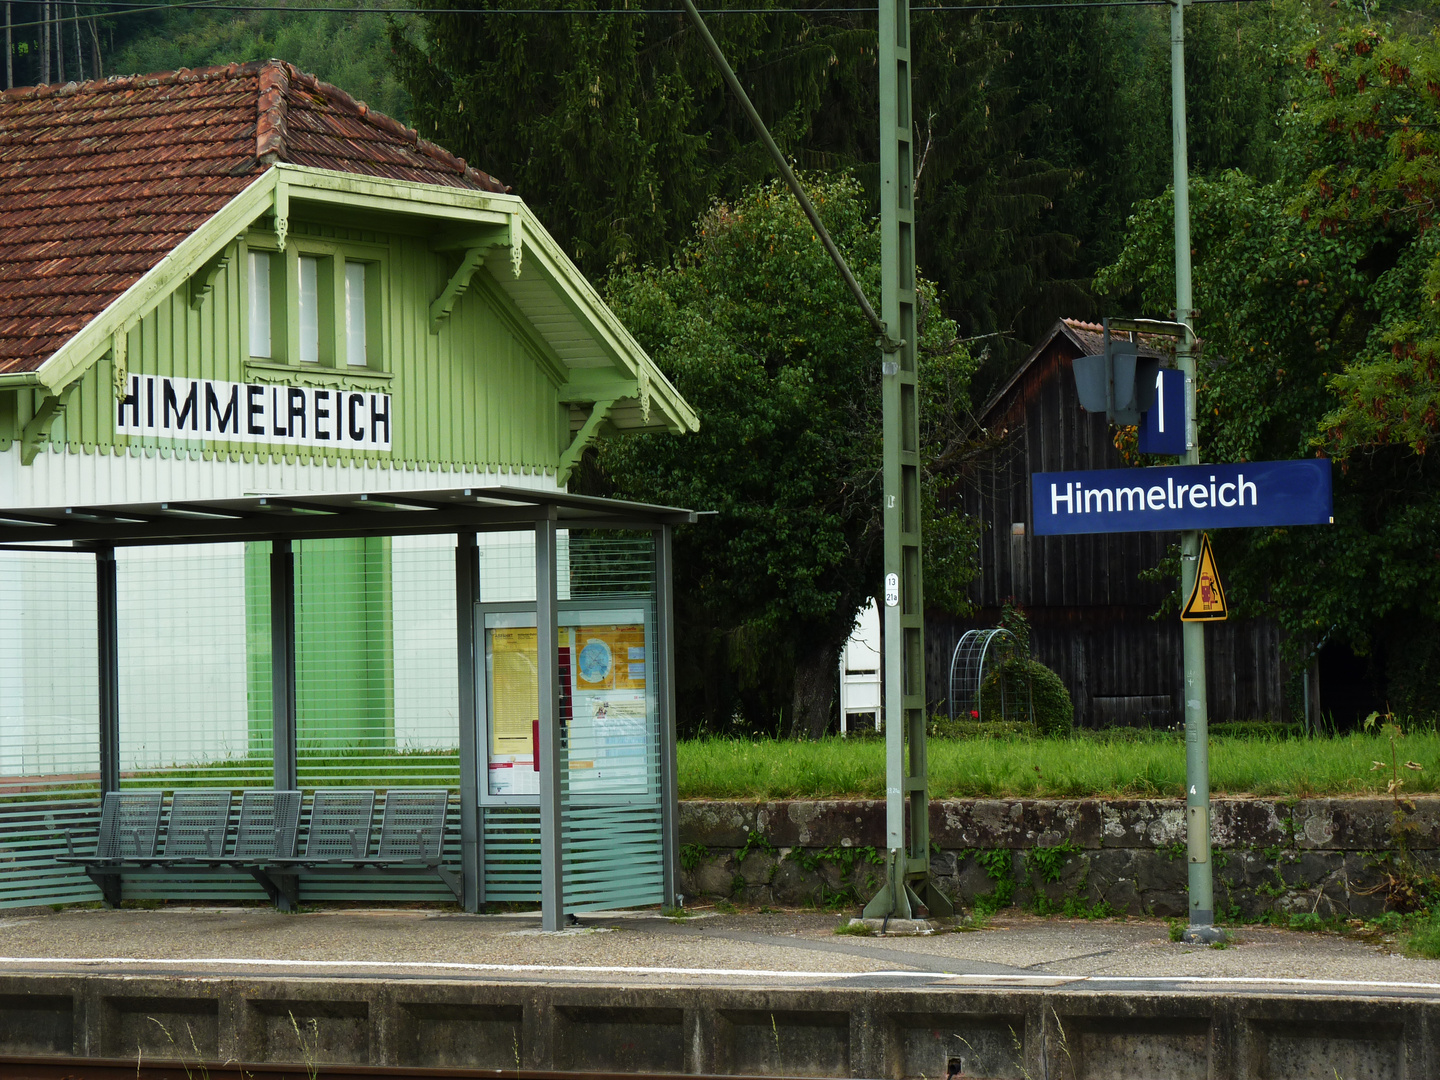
(196, 381)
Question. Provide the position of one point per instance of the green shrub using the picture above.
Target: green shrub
(1054, 712)
(1050, 701)
(942, 727)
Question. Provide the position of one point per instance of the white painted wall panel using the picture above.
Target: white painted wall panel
(64, 479)
(49, 715)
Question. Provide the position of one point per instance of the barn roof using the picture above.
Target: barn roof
(1087, 339)
(100, 180)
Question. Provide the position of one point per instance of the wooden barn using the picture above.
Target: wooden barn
(1090, 614)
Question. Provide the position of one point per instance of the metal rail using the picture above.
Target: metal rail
(53, 1068)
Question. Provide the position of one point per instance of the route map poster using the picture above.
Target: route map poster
(608, 706)
(604, 705)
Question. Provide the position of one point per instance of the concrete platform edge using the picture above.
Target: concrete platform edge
(794, 1031)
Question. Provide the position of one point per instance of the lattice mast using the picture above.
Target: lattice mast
(907, 892)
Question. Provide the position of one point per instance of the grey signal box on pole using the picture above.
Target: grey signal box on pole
(1119, 383)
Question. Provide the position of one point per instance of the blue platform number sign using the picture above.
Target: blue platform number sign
(1162, 428)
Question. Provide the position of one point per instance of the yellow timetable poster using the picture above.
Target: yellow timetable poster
(515, 686)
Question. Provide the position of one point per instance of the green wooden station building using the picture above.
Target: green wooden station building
(289, 398)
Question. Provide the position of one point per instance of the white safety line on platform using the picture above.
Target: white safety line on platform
(1036, 980)
(439, 965)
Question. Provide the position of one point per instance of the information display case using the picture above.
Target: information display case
(608, 708)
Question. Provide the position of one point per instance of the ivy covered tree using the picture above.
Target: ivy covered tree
(1319, 300)
(754, 326)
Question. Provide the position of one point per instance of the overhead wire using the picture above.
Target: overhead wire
(116, 10)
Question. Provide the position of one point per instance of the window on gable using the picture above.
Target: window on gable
(309, 310)
(356, 346)
(318, 304)
(260, 304)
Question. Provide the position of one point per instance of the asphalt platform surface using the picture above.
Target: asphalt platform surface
(639, 948)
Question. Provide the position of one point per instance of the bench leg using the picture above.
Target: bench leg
(283, 889)
(108, 883)
(452, 879)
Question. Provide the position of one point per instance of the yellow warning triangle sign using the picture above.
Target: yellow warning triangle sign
(1207, 598)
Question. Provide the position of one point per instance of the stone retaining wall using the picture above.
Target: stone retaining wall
(1331, 857)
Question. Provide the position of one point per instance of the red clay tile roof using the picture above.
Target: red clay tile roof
(100, 180)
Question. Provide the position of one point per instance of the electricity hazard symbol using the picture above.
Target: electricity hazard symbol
(1207, 598)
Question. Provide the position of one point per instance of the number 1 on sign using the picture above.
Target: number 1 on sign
(1160, 400)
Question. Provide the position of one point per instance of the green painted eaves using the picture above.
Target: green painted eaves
(615, 367)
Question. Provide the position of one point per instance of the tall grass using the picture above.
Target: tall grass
(1152, 766)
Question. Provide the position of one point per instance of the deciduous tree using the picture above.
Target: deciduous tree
(753, 324)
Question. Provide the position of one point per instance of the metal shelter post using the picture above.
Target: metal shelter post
(907, 892)
(467, 595)
(669, 768)
(552, 881)
(107, 641)
(1197, 735)
(282, 664)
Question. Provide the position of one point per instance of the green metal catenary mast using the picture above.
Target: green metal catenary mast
(907, 892)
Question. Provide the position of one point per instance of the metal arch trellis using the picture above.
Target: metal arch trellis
(978, 658)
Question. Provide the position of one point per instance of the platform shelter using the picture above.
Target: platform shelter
(289, 403)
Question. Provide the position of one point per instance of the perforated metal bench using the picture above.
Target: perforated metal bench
(129, 825)
(199, 822)
(412, 835)
(269, 823)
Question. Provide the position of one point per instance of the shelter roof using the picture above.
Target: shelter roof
(100, 180)
(282, 517)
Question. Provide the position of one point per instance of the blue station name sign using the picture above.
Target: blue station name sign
(1175, 497)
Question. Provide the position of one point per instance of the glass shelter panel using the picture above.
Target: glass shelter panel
(376, 690)
(194, 661)
(49, 723)
(194, 685)
(611, 800)
(608, 704)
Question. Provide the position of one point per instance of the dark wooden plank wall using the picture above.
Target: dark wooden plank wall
(1089, 610)
(1121, 667)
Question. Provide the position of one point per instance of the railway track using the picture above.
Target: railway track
(51, 1068)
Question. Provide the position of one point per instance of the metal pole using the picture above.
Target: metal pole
(9, 53)
(79, 49)
(282, 665)
(907, 892)
(664, 667)
(1197, 736)
(107, 634)
(552, 861)
(467, 595)
(907, 802)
